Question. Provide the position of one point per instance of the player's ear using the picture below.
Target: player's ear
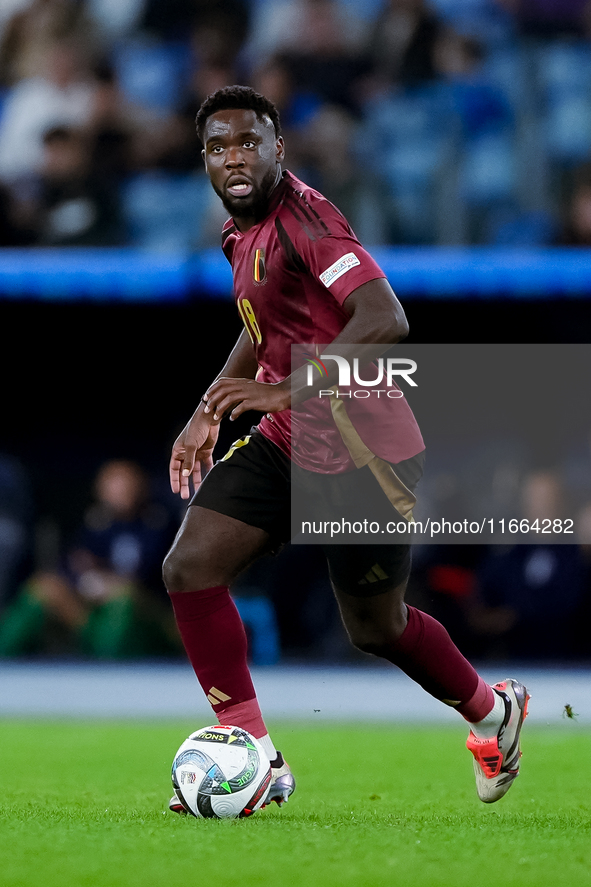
(203, 155)
(280, 149)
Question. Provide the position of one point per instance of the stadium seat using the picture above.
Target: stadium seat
(152, 73)
(527, 229)
(413, 132)
(568, 128)
(410, 173)
(506, 69)
(563, 66)
(164, 211)
(564, 78)
(488, 172)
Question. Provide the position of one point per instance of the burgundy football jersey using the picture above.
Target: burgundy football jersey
(292, 272)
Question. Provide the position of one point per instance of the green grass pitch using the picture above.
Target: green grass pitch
(84, 804)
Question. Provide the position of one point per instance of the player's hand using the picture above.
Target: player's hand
(236, 396)
(192, 453)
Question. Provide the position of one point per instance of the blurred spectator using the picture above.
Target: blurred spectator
(550, 18)
(576, 469)
(577, 211)
(169, 205)
(275, 79)
(542, 496)
(208, 77)
(306, 27)
(117, 128)
(167, 19)
(8, 10)
(297, 107)
(481, 105)
(533, 594)
(456, 54)
(172, 147)
(401, 46)
(218, 27)
(322, 43)
(15, 229)
(31, 32)
(75, 206)
(114, 20)
(326, 150)
(16, 508)
(583, 529)
(109, 601)
(124, 531)
(62, 95)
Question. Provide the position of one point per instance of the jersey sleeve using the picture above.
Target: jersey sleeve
(328, 247)
(228, 239)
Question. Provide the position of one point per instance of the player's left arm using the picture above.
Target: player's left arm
(376, 319)
(376, 315)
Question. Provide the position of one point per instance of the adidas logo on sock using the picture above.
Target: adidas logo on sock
(215, 696)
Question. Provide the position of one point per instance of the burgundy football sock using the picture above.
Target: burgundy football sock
(215, 641)
(427, 654)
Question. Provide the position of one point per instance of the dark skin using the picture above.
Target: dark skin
(243, 156)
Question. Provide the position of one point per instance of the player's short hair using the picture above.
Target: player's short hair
(241, 98)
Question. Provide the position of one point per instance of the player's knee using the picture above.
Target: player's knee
(375, 645)
(377, 640)
(181, 569)
(170, 571)
(190, 567)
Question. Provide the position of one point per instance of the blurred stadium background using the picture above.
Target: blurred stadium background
(455, 135)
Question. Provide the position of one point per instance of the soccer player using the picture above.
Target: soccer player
(301, 276)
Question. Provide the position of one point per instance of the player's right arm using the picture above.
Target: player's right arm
(192, 451)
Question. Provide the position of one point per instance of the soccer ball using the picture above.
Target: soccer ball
(221, 773)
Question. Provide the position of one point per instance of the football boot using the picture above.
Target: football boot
(176, 805)
(496, 761)
(282, 782)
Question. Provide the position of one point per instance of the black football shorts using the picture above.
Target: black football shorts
(253, 483)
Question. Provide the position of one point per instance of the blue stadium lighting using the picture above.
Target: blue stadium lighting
(125, 275)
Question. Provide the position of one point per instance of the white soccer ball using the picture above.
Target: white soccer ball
(221, 773)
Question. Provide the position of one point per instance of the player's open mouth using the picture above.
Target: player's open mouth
(239, 189)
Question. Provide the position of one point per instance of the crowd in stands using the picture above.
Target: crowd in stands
(95, 591)
(99, 594)
(426, 121)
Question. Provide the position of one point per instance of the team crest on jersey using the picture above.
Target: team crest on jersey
(259, 272)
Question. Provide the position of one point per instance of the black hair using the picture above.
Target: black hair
(237, 98)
